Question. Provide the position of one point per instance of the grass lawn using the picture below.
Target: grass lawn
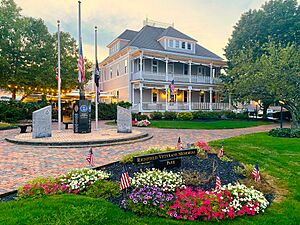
(218, 124)
(277, 156)
(5, 126)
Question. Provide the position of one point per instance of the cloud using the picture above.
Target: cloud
(210, 22)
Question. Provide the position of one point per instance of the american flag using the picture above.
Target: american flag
(56, 71)
(97, 76)
(179, 144)
(81, 77)
(218, 180)
(255, 173)
(90, 157)
(125, 181)
(221, 151)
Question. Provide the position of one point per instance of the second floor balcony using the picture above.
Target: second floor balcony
(148, 75)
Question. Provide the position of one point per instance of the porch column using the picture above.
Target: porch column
(210, 98)
(211, 72)
(190, 70)
(132, 100)
(190, 98)
(167, 71)
(166, 88)
(141, 98)
(130, 78)
(141, 66)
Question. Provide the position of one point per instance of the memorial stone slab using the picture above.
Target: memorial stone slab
(42, 122)
(124, 120)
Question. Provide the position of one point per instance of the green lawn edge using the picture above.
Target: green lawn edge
(277, 156)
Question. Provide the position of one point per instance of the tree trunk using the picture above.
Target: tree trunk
(23, 97)
(13, 94)
(295, 115)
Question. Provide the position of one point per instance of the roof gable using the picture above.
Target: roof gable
(172, 32)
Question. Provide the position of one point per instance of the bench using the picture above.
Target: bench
(24, 126)
(67, 124)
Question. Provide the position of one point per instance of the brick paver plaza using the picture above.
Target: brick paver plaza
(18, 163)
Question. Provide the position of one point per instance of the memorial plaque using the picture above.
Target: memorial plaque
(82, 116)
(167, 163)
(124, 120)
(164, 155)
(42, 122)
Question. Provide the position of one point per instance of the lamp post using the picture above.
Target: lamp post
(256, 110)
(281, 113)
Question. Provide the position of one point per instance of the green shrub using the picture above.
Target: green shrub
(170, 115)
(285, 132)
(239, 170)
(242, 116)
(104, 189)
(224, 158)
(185, 116)
(156, 116)
(139, 116)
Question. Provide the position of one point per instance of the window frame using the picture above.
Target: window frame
(154, 66)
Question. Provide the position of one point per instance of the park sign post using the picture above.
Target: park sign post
(165, 159)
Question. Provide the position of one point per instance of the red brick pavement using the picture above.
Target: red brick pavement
(18, 163)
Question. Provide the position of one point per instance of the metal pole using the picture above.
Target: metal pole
(256, 112)
(59, 80)
(81, 91)
(96, 88)
(281, 117)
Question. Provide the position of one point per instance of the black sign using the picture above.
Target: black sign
(168, 163)
(164, 155)
(82, 116)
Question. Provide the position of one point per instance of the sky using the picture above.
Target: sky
(210, 22)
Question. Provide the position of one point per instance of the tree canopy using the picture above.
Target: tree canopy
(262, 35)
(28, 53)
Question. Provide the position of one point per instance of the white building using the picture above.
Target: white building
(142, 64)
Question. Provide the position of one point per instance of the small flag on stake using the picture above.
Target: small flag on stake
(179, 144)
(218, 180)
(255, 173)
(90, 158)
(125, 180)
(221, 151)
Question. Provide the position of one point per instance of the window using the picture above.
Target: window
(176, 44)
(118, 94)
(171, 43)
(154, 96)
(189, 46)
(110, 73)
(154, 66)
(202, 97)
(104, 74)
(185, 69)
(118, 67)
(185, 96)
(125, 66)
(183, 45)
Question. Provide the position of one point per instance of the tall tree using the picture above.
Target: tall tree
(277, 21)
(28, 54)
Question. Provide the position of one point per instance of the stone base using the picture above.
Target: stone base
(67, 138)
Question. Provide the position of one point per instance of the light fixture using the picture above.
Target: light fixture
(202, 92)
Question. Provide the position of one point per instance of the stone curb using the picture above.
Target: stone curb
(81, 143)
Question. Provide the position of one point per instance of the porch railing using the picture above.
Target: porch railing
(147, 75)
(182, 106)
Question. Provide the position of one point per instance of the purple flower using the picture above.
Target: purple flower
(145, 202)
(135, 201)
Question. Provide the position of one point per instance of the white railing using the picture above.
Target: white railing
(182, 106)
(147, 75)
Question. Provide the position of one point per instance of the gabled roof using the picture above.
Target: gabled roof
(172, 32)
(128, 35)
(148, 36)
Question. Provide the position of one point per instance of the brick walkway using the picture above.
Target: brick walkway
(18, 163)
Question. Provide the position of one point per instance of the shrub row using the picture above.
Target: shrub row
(285, 132)
(197, 115)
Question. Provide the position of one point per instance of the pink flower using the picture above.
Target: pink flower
(75, 191)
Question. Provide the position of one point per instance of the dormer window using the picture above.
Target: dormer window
(183, 45)
(176, 44)
(189, 46)
(171, 43)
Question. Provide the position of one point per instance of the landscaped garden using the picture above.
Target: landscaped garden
(278, 159)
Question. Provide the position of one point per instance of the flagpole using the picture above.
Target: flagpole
(81, 93)
(96, 88)
(59, 81)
